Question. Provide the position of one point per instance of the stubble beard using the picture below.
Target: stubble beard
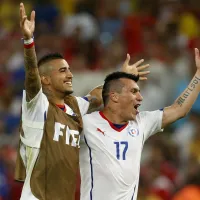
(68, 92)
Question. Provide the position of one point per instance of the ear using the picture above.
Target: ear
(114, 96)
(45, 80)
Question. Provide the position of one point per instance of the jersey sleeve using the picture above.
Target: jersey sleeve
(151, 122)
(83, 104)
(33, 118)
(34, 110)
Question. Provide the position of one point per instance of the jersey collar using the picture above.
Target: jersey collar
(111, 124)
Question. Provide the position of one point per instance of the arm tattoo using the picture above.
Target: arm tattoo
(95, 99)
(93, 104)
(188, 91)
(32, 80)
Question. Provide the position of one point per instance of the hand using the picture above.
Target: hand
(27, 26)
(197, 58)
(136, 69)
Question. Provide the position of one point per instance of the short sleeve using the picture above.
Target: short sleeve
(83, 105)
(35, 109)
(33, 119)
(151, 122)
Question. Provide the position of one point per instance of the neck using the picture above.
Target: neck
(54, 97)
(113, 115)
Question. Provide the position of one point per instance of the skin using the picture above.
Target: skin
(36, 79)
(184, 102)
(56, 80)
(120, 107)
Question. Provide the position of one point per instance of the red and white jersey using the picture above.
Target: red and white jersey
(110, 156)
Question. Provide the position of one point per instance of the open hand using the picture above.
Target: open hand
(27, 26)
(136, 69)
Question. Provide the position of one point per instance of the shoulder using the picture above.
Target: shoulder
(91, 117)
(39, 100)
(148, 114)
(72, 103)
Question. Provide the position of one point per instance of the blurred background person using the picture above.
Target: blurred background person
(95, 36)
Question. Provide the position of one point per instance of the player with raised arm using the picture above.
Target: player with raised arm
(51, 122)
(112, 139)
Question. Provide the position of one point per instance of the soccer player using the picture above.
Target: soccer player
(113, 138)
(51, 123)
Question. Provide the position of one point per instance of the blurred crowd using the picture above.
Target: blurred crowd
(94, 36)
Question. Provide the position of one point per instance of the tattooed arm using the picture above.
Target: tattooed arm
(184, 102)
(95, 99)
(32, 78)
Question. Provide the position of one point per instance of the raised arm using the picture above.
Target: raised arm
(95, 96)
(184, 102)
(32, 78)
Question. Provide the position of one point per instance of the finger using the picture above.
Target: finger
(23, 21)
(143, 78)
(127, 60)
(32, 16)
(144, 73)
(22, 9)
(138, 62)
(196, 52)
(140, 68)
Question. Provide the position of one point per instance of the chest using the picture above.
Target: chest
(124, 145)
(62, 128)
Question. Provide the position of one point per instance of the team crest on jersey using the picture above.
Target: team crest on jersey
(133, 132)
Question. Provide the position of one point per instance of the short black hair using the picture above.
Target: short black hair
(113, 80)
(48, 57)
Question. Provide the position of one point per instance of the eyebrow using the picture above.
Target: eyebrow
(135, 90)
(60, 69)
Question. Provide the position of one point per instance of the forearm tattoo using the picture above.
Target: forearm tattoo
(92, 100)
(30, 58)
(32, 80)
(188, 91)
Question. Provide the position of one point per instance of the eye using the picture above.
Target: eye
(62, 70)
(135, 91)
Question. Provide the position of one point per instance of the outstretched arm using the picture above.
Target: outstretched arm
(32, 78)
(184, 102)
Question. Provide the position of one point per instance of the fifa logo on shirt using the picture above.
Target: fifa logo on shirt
(72, 137)
(133, 132)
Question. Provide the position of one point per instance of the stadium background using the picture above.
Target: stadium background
(94, 37)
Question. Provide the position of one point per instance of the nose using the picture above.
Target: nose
(69, 74)
(139, 96)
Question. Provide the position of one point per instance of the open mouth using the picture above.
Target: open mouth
(68, 83)
(136, 107)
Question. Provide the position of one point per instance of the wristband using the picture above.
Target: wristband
(29, 41)
(28, 46)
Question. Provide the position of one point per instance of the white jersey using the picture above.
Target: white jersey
(110, 157)
(33, 120)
